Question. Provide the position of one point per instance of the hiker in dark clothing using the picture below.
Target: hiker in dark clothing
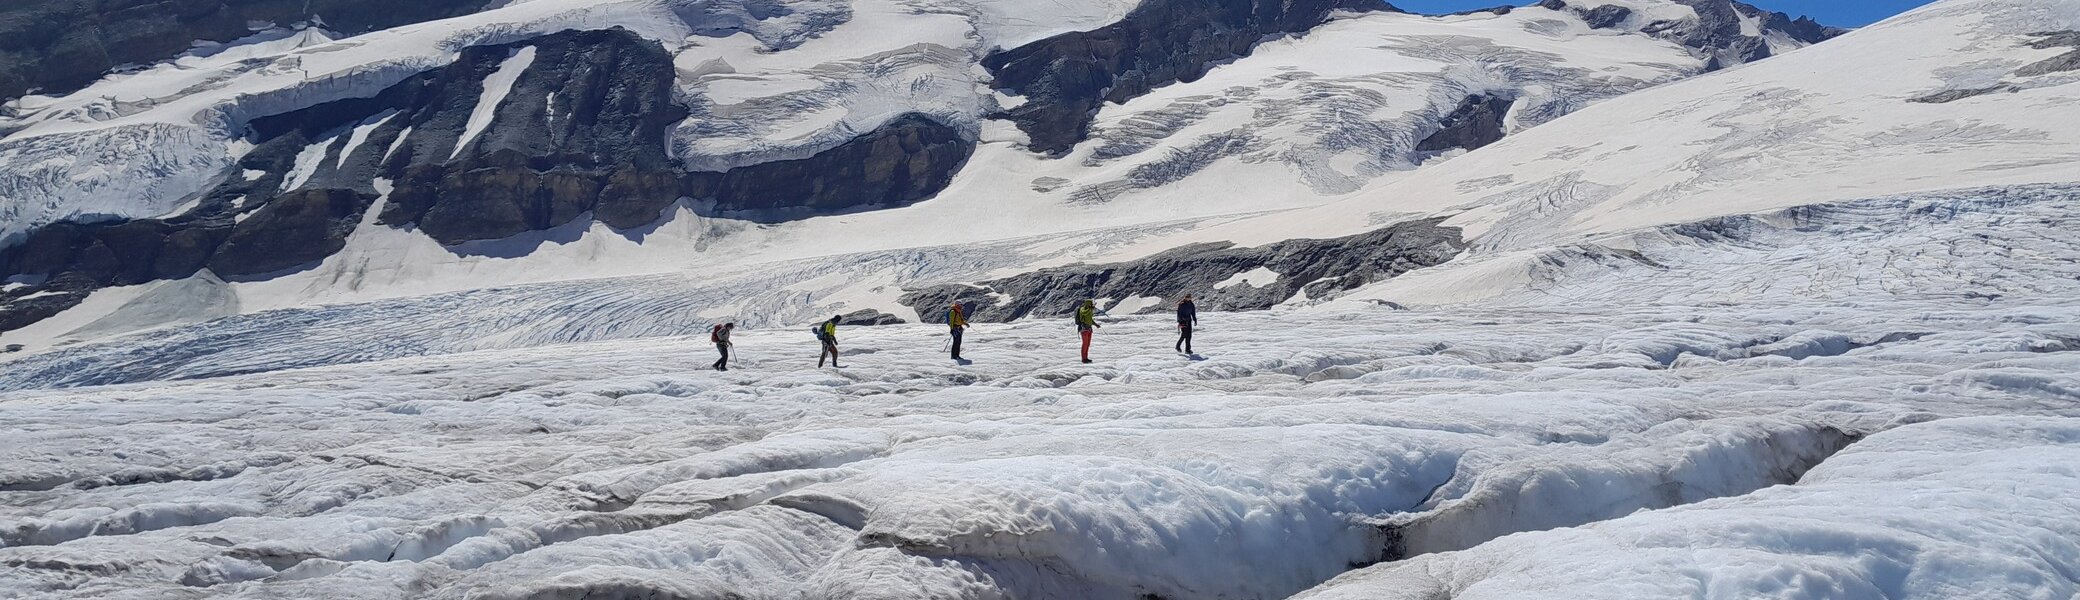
(828, 333)
(956, 322)
(1187, 317)
(1086, 322)
(720, 335)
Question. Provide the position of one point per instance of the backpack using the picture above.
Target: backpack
(817, 330)
(715, 334)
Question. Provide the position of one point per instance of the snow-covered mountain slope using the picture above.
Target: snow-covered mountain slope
(741, 128)
(1976, 102)
(52, 47)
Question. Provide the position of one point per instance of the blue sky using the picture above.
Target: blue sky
(1840, 13)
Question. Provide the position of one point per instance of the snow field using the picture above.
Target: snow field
(1307, 442)
(1960, 508)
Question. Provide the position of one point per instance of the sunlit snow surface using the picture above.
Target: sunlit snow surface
(1299, 444)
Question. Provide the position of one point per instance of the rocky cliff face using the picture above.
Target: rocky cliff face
(579, 132)
(524, 132)
(56, 46)
(1066, 77)
(1314, 268)
(1478, 121)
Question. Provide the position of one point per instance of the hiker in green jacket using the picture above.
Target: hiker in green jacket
(828, 334)
(1086, 322)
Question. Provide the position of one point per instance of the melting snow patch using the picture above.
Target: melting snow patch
(496, 86)
(1258, 277)
(361, 135)
(1133, 305)
(184, 207)
(397, 143)
(306, 165)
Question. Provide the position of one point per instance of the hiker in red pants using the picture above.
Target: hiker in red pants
(1086, 321)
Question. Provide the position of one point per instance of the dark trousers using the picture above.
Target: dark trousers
(1184, 338)
(722, 364)
(956, 343)
(830, 348)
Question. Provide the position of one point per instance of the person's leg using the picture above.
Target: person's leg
(1187, 339)
(822, 349)
(722, 364)
(956, 343)
(1086, 345)
(1183, 333)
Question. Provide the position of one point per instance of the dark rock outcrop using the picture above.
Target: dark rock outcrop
(2069, 61)
(300, 228)
(1066, 78)
(584, 127)
(868, 317)
(910, 158)
(1493, 10)
(1716, 34)
(1318, 268)
(1476, 122)
(1948, 96)
(57, 46)
(1607, 16)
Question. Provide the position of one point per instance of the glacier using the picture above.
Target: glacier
(1758, 330)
